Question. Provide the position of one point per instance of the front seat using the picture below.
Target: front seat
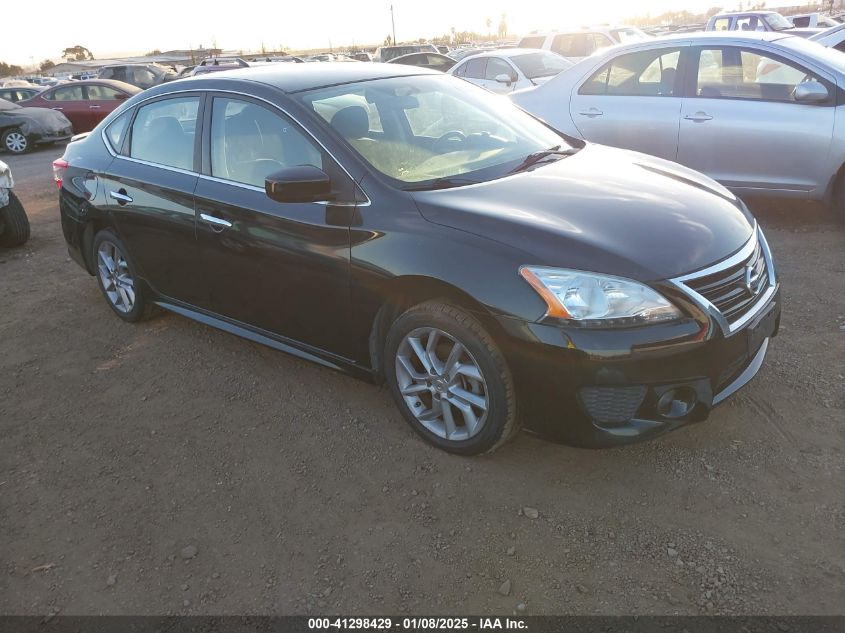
(353, 124)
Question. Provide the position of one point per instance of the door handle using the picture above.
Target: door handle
(120, 196)
(592, 112)
(214, 221)
(698, 117)
(93, 107)
(57, 108)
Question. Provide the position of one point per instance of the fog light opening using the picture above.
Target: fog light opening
(676, 403)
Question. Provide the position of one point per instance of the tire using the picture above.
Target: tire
(467, 404)
(118, 280)
(14, 141)
(15, 224)
(837, 201)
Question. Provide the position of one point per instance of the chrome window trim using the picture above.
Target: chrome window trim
(740, 256)
(207, 92)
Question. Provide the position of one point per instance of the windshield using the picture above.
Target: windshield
(8, 105)
(425, 128)
(628, 34)
(777, 22)
(541, 64)
(817, 51)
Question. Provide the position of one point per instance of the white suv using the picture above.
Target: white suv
(575, 45)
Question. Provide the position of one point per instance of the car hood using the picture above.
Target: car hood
(43, 119)
(603, 210)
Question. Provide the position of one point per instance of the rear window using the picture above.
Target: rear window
(535, 41)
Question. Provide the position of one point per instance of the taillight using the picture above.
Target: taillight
(59, 167)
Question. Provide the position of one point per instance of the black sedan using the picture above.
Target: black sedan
(22, 127)
(406, 227)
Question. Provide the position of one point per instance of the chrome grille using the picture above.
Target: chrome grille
(734, 290)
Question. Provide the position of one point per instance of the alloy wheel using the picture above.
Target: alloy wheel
(115, 277)
(442, 384)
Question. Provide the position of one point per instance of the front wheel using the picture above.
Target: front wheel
(14, 225)
(450, 380)
(14, 141)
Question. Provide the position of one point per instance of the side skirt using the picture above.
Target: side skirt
(289, 346)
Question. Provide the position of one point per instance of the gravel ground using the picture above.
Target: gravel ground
(171, 468)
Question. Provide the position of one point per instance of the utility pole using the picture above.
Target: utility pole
(393, 23)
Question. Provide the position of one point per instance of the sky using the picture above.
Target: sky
(109, 27)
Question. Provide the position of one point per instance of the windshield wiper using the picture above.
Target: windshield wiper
(440, 183)
(536, 157)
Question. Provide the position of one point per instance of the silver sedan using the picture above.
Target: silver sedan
(763, 114)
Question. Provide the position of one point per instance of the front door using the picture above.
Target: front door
(633, 102)
(101, 100)
(150, 193)
(280, 267)
(741, 125)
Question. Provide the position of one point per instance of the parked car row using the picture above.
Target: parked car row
(757, 112)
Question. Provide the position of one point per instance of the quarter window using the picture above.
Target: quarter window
(164, 131)
(116, 131)
(641, 74)
(249, 142)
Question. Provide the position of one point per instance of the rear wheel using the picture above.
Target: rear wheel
(117, 278)
(14, 141)
(14, 223)
(450, 380)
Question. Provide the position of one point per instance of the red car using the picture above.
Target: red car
(85, 103)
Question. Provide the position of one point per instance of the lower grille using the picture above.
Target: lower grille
(734, 290)
(612, 404)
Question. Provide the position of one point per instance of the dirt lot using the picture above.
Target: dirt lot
(172, 468)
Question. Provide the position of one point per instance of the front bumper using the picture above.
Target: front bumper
(51, 137)
(598, 388)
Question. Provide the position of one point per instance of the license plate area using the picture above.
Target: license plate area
(761, 328)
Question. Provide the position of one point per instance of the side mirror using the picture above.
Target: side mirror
(811, 92)
(505, 78)
(120, 96)
(303, 183)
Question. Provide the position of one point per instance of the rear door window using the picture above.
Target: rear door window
(164, 132)
(644, 73)
(66, 93)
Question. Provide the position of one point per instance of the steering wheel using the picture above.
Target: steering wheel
(451, 135)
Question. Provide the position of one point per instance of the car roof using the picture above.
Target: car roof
(507, 52)
(118, 85)
(766, 36)
(299, 77)
(752, 12)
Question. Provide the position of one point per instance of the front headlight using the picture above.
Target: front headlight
(595, 300)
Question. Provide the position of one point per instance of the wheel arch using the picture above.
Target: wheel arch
(404, 292)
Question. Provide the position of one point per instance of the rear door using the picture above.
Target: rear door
(70, 100)
(633, 101)
(741, 125)
(280, 267)
(149, 190)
